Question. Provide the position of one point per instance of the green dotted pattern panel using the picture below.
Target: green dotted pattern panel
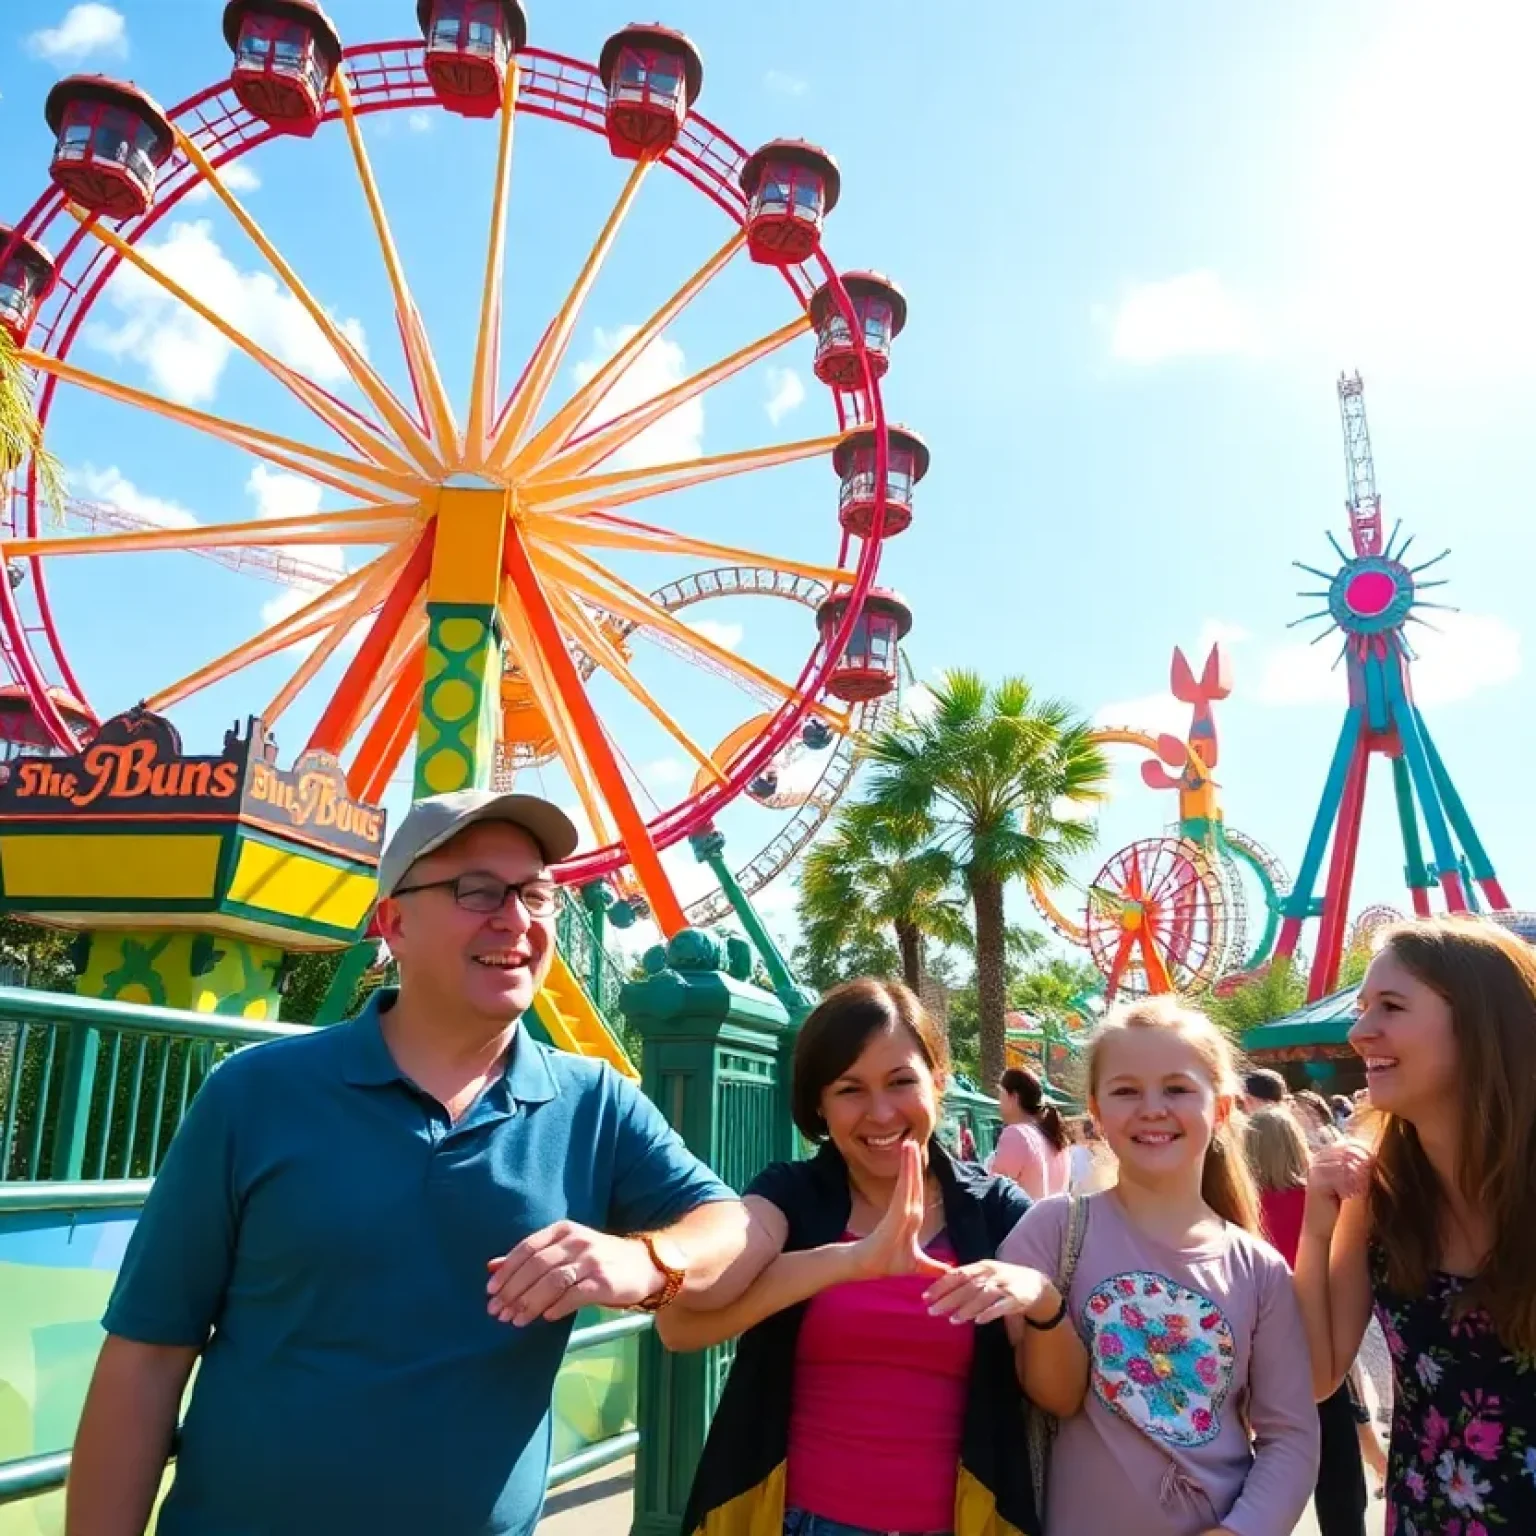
(456, 736)
(201, 972)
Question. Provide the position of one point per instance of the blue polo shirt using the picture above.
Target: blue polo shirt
(322, 1219)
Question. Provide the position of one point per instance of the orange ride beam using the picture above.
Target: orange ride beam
(267, 445)
(482, 391)
(354, 432)
(362, 602)
(616, 595)
(314, 616)
(557, 431)
(525, 404)
(411, 635)
(590, 450)
(597, 493)
(604, 533)
(366, 525)
(642, 852)
(344, 713)
(417, 349)
(409, 434)
(390, 734)
(580, 627)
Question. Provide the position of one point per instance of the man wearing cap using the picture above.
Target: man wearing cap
(373, 1238)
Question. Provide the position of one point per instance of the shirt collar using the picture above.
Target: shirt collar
(368, 1063)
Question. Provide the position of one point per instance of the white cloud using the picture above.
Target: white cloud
(727, 636)
(1192, 315)
(237, 177)
(419, 122)
(277, 494)
(184, 356)
(1466, 653)
(786, 84)
(918, 702)
(659, 367)
(111, 487)
(1151, 712)
(785, 393)
(86, 30)
(667, 771)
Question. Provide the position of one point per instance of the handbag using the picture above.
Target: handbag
(1040, 1426)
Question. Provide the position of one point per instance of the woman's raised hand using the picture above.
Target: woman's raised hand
(895, 1246)
(1338, 1173)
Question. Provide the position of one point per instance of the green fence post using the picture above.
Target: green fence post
(68, 1161)
(711, 1063)
(350, 970)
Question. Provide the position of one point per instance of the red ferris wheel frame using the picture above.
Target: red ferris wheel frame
(391, 77)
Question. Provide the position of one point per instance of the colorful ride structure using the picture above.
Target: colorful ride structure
(1172, 913)
(485, 591)
(1371, 598)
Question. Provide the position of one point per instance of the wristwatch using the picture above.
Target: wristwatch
(667, 1258)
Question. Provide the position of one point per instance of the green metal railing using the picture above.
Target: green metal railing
(95, 1090)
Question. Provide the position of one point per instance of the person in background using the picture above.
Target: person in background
(1434, 1224)
(874, 1386)
(1311, 1112)
(1092, 1165)
(1032, 1146)
(1342, 1109)
(1279, 1157)
(1197, 1413)
(966, 1144)
(1263, 1088)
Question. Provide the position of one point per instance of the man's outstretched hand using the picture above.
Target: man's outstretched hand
(557, 1272)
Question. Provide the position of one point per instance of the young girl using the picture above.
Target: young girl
(1435, 1227)
(1198, 1415)
(1032, 1149)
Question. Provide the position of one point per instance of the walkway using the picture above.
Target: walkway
(600, 1506)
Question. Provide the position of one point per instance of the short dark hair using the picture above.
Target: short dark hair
(836, 1032)
(1267, 1085)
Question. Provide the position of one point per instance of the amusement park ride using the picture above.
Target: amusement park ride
(486, 597)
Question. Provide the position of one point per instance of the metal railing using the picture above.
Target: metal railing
(95, 1090)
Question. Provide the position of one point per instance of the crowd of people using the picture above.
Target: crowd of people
(374, 1239)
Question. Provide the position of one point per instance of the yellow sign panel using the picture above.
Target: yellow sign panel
(284, 881)
(88, 866)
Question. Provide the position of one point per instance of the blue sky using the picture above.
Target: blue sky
(1139, 245)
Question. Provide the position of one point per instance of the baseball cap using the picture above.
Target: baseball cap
(432, 822)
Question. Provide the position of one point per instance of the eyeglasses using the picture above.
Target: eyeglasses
(485, 893)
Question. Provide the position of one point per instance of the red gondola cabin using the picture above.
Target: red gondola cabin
(22, 734)
(652, 76)
(110, 140)
(867, 668)
(854, 460)
(880, 308)
(470, 43)
(26, 275)
(286, 52)
(790, 187)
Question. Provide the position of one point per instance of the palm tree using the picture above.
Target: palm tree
(987, 779)
(20, 433)
(866, 879)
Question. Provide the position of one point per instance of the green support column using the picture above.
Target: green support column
(711, 1062)
(461, 703)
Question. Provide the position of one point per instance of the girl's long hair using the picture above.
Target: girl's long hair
(1226, 1184)
(1027, 1091)
(1488, 976)
(1277, 1151)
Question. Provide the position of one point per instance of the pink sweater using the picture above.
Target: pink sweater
(1199, 1410)
(879, 1405)
(1025, 1155)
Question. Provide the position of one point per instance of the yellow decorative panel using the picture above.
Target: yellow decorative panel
(133, 867)
(296, 885)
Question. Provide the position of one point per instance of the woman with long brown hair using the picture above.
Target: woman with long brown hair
(1032, 1148)
(1434, 1225)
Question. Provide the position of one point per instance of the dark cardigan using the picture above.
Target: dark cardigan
(738, 1489)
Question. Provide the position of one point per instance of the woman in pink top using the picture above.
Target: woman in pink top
(1032, 1149)
(1196, 1412)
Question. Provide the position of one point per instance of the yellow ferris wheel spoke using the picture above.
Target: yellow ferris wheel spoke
(610, 592)
(599, 532)
(579, 625)
(356, 433)
(620, 487)
(525, 403)
(366, 525)
(482, 389)
(299, 457)
(558, 430)
(525, 653)
(378, 393)
(367, 597)
(418, 350)
(588, 451)
(308, 620)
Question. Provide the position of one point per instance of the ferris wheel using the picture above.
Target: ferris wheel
(491, 612)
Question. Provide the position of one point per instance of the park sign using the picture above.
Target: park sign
(131, 831)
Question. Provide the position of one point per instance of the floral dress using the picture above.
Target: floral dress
(1463, 1454)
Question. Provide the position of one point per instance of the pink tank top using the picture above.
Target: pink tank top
(879, 1405)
